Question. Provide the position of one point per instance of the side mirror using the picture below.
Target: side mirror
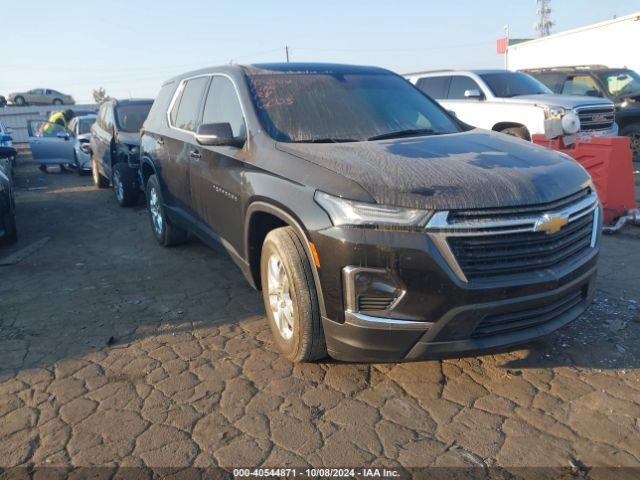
(473, 93)
(217, 135)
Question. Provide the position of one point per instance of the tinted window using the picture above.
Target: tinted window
(512, 84)
(190, 103)
(553, 81)
(459, 85)
(581, 85)
(130, 117)
(435, 87)
(84, 125)
(222, 105)
(330, 107)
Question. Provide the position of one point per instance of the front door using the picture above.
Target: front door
(50, 143)
(216, 172)
(180, 145)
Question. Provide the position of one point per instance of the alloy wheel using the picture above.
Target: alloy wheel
(154, 210)
(280, 299)
(117, 184)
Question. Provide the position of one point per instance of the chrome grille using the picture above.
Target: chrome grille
(485, 244)
(594, 118)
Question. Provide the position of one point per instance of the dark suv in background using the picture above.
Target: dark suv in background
(377, 226)
(115, 147)
(620, 85)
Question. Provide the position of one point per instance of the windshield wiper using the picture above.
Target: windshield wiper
(326, 140)
(403, 133)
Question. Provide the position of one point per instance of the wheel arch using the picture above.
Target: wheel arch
(262, 217)
(147, 168)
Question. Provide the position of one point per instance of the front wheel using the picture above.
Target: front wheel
(57, 101)
(125, 185)
(290, 297)
(166, 233)
(520, 132)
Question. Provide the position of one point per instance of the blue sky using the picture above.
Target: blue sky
(130, 47)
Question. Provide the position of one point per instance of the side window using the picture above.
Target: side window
(459, 85)
(222, 105)
(581, 85)
(435, 87)
(108, 118)
(188, 112)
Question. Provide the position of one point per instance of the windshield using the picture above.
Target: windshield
(317, 107)
(84, 125)
(622, 82)
(130, 118)
(512, 84)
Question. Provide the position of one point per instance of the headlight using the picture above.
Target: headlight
(348, 212)
(553, 112)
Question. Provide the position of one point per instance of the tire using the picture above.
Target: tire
(125, 185)
(98, 180)
(286, 277)
(165, 232)
(57, 101)
(520, 132)
(633, 131)
(19, 101)
(11, 232)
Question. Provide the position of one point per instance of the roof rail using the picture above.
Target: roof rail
(566, 67)
(429, 71)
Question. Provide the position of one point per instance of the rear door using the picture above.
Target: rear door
(50, 143)
(216, 175)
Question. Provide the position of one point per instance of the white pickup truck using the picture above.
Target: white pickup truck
(515, 103)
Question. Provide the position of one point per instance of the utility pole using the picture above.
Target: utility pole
(544, 24)
(506, 52)
(286, 52)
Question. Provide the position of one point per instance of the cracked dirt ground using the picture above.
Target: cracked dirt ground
(114, 350)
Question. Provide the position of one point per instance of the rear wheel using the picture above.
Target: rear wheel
(290, 297)
(98, 180)
(166, 233)
(19, 101)
(520, 132)
(125, 185)
(57, 101)
(633, 131)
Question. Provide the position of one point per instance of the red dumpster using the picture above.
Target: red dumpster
(608, 161)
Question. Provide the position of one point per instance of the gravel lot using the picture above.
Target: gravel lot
(117, 351)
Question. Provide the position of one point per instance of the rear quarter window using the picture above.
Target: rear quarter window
(157, 117)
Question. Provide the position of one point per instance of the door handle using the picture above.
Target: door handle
(160, 141)
(195, 155)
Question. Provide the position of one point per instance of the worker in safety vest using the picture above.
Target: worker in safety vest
(51, 129)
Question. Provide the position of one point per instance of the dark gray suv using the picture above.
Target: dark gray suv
(377, 226)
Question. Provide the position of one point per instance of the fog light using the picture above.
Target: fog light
(370, 289)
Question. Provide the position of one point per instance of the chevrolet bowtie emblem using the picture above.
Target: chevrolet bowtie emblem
(550, 224)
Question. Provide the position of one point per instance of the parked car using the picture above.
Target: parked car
(41, 96)
(3, 101)
(6, 140)
(377, 225)
(81, 129)
(8, 231)
(115, 147)
(514, 103)
(620, 85)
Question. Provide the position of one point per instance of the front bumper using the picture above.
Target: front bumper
(390, 295)
(364, 338)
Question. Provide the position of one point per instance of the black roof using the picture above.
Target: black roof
(311, 67)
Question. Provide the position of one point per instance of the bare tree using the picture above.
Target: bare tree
(100, 95)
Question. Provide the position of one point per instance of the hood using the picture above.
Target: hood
(130, 138)
(566, 101)
(476, 169)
